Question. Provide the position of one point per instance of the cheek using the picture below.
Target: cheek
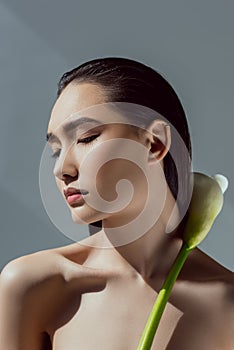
(116, 170)
(104, 166)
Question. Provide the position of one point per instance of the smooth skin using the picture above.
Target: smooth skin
(81, 296)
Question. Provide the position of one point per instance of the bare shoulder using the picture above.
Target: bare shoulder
(210, 273)
(35, 268)
(202, 267)
(33, 281)
(32, 272)
(25, 281)
(205, 295)
(24, 285)
(48, 278)
(32, 288)
(208, 283)
(219, 298)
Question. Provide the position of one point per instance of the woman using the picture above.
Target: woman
(98, 293)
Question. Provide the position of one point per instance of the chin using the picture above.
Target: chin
(94, 219)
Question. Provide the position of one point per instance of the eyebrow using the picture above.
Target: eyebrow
(71, 126)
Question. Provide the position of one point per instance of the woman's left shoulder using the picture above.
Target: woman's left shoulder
(210, 278)
(223, 304)
(211, 288)
(217, 280)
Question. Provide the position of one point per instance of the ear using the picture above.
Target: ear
(158, 140)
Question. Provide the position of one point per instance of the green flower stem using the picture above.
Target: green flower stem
(162, 298)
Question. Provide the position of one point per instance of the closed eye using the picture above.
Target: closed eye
(89, 139)
(85, 140)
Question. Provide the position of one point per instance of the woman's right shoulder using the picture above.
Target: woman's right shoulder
(38, 267)
(32, 289)
(57, 268)
(38, 282)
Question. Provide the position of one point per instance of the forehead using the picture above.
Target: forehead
(80, 101)
(73, 99)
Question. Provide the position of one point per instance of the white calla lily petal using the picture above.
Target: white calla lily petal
(222, 181)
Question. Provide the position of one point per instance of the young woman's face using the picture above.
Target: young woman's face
(80, 150)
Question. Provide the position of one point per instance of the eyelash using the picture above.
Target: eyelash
(93, 137)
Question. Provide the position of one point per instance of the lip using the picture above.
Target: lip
(72, 190)
(75, 198)
(74, 195)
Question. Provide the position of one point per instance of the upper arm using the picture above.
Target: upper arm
(21, 322)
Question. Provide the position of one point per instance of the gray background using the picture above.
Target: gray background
(189, 42)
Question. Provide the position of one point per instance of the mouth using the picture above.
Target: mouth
(75, 198)
(74, 195)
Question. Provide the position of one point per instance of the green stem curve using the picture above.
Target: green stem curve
(162, 298)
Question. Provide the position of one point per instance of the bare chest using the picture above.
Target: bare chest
(114, 318)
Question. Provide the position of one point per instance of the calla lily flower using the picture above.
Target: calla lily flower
(206, 203)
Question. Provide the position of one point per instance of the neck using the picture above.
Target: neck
(153, 254)
(150, 254)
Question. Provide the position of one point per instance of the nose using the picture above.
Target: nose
(66, 168)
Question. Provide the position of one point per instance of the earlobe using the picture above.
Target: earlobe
(159, 140)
